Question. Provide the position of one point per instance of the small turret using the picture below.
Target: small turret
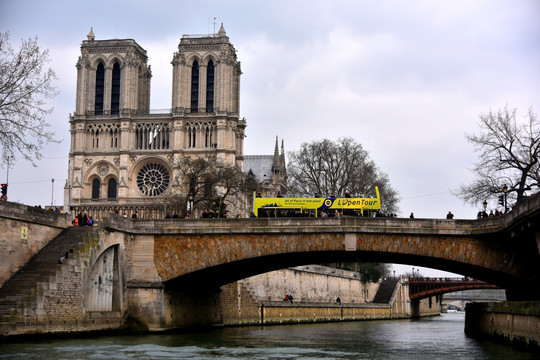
(91, 36)
(221, 32)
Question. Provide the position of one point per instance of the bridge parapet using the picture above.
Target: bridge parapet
(305, 226)
(527, 208)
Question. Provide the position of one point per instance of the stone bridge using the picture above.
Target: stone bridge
(501, 251)
(171, 273)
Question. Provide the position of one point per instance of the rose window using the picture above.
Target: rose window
(153, 179)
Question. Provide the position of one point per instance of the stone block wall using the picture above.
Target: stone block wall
(516, 323)
(60, 303)
(238, 305)
(312, 283)
(24, 231)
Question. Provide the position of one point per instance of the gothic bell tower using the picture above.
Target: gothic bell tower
(126, 158)
(206, 89)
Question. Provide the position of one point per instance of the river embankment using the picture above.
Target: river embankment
(515, 323)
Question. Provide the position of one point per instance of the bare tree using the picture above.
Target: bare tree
(326, 167)
(210, 182)
(24, 87)
(508, 158)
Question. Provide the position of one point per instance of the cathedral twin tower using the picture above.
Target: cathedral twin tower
(122, 156)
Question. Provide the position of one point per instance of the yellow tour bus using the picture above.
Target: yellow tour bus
(315, 207)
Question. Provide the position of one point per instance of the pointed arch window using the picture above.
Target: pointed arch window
(113, 132)
(96, 184)
(95, 138)
(195, 87)
(115, 89)
(210, 87)
(111, 188)
(100, 89)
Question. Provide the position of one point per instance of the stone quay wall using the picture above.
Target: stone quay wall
(259, 300)
(25, 230)
(516, 323)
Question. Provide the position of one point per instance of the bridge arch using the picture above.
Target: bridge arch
(220, 255)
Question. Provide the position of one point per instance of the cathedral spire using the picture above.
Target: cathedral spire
(276, 164)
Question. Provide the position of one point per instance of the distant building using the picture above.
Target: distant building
(124, 157)
(270, 171)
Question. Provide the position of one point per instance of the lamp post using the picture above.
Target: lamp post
(220, 193)
(190, 203)
(485, 206)
(413, 272)
(505, 189)
(52, 192)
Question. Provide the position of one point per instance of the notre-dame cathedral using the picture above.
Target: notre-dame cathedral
(125, 158)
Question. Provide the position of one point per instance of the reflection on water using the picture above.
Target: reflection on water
(440, 337)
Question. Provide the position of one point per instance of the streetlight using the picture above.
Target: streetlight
(505, 189)
(413, 272)
(485, 205)
(52, 192)
(190, 203)
(220, 194)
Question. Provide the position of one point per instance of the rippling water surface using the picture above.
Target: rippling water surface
(440, 337)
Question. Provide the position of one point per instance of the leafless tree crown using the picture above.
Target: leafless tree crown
(25, 87)
(508, 156)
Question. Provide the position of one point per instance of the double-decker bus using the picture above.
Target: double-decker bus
(315, 207)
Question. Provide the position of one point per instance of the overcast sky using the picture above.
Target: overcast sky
(406, 79)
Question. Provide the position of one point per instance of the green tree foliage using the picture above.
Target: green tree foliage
(326, 167)
(509, 150)
(25, 87)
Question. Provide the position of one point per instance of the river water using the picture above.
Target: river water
(439, 337)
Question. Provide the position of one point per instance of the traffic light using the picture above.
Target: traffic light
(4, 189)
(501, 200)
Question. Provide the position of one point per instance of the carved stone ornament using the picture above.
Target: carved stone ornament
(88, 162)
(103, 169)
(153, 179)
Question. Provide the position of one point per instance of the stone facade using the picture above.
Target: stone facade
(126, 158)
